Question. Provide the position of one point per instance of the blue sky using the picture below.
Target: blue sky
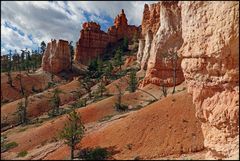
(26, 24)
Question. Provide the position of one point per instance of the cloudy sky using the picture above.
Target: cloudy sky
(26, 24)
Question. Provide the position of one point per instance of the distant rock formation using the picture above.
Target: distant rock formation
(93, 41)
(56, 57)
(160, 38)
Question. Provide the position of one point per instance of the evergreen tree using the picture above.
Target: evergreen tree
(73, 131)
(101, 88)
(43, 46)
(71, 53)
(125, 44)
(55, 101)
(99, 66)
(108, 70)
(22, 110)
(118, 60)
(132, 84)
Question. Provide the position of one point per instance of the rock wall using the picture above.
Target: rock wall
(162, 40)
(206, 37)
(56, 57)
(93, 41)
(210, 52)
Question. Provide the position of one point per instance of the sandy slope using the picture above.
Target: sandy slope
(38, 80)
(163, 128)
(38, 103)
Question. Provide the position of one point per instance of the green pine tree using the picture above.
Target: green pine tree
(73, 131)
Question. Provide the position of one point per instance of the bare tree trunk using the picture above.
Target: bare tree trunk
(174, 73)
(72, 150)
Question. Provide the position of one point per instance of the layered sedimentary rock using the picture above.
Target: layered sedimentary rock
(56, 57)
(210, 52)
(93, 41)
(162, 39)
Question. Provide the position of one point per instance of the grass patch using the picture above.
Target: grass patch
(22, 153)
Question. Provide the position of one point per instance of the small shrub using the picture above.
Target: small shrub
(11, 145)
(121, 107)
(22, 153)
(51, 84)
(94, 154)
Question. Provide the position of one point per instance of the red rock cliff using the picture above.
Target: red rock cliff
(93, 40)
(56, 57)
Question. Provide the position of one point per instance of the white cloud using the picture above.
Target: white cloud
(45, 20)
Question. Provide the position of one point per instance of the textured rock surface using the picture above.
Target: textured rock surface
(151, 18)
(160, 44)
(93, 40)
(56, 57)
(210, 52)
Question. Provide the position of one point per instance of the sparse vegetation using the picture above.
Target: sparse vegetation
(22, 153)
(9, 145)
(97, 153)
(73, 131)
(132, 84)
(55, 102)
(22, 111)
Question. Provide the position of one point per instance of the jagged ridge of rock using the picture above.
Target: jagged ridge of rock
(56, 57)
(161, 38)
(93, 41)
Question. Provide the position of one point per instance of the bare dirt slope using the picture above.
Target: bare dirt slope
(38, 103)
(163, 128)
(39, 81)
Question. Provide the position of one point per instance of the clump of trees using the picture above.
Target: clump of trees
(73, 131)
(23, 60)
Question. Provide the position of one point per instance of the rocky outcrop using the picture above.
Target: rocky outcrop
(210, 52)
(121, 28)
(207, 34)
(162, 40)
(93, 40)
(56, 57)
(151, 18)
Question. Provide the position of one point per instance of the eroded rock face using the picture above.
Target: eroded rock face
(151, 18)
(210, 52)
(93, 40)
(56, 57)
(161, 44)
